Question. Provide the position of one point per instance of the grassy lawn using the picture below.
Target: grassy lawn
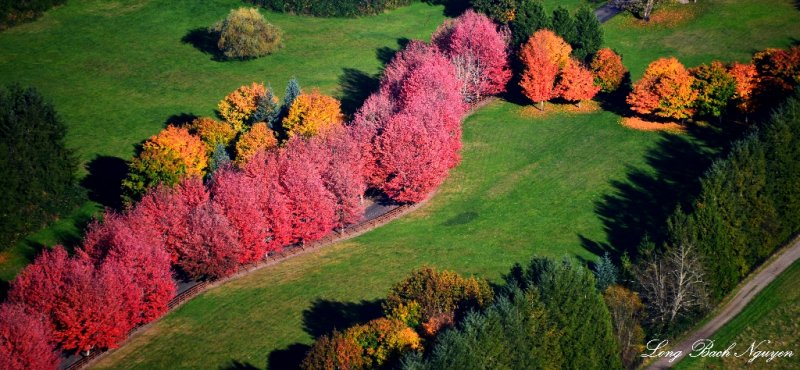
(774, 315)
(525, 187)
(698, 32)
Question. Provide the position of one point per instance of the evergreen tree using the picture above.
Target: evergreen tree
(589, 37)
(530, 18)
(38, 171)
(267, 108)
(564, 26)
(219, 159)
(605, 273)
(572, 301)
(292, 92)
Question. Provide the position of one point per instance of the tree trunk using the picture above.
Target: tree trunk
(578, 104)
(648, 8)
(541, 105)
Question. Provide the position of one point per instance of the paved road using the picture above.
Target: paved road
(742, 298)
(606, 12)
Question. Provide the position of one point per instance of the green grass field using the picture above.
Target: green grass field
(774, 314)
(563, 184)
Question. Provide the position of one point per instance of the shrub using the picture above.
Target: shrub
(665, 90)
(479, 51)
(165, 158)
(244, 34)
(213, 132)
(608, 70)
(26, 340)
(312, 114)
(502, 11)
(38, 171)
(238, 107)
(259, 137)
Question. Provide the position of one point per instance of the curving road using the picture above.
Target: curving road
(758, 282)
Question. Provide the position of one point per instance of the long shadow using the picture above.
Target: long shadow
(356, 86)
(324, 316)
(641, 203)
(452, 8)
(104, 182)
(288, 358)
(238, 365)
(206, 41)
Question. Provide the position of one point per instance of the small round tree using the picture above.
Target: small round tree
(608, 70)
(246, 34)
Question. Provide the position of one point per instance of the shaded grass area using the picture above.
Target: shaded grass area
(526, 187)
(774, 314)
(699, 32)
(118, 71)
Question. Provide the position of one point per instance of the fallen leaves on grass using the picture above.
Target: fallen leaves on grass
(637, 123)
(666, 17)
(532, 111)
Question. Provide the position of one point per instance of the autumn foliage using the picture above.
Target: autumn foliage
(479, 51)
(259, 137)
(778, 72)
(542, 58)
(746, 79)
(238, 107)
(213, 132)
(576, 83)
(715, 88)
(26, 340)
(665, 90)
(166, 158)
(608, 70)
(313, 114)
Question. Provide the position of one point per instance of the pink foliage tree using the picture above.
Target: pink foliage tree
(342, 174)
(264, 169)
(38, 285)
(26, 340)
(212, 248)
(479, 50)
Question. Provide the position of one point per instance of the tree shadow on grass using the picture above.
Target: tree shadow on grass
(238, 365)
(104, 182)
(356, 86)
(206, 41)
(324, 316)
(452, 8)
(288, 358)
(180, 119)
(640, 204)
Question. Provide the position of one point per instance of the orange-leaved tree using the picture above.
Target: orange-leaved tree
(238, 107)
(778, 73)
(166, 158)
(576, 83)
(542, 57)
(746, 77)
(665, 90)
(213, 132)
(608, 70)
(258, 137)
(312, 114)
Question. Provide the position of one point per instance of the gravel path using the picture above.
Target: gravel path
(767, 274)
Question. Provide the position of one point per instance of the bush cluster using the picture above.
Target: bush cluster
(332, 8)
(14, 12)
(246, 34)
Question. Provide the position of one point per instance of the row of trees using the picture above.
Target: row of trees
(548, 315)
(668, 90)
(299, 173)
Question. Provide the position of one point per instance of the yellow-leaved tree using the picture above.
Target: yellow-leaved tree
(312, 114)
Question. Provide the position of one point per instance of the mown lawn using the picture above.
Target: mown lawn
(525, 187)
(774, 314)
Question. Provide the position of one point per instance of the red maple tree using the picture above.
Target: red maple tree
(26, 340)
(576, 83)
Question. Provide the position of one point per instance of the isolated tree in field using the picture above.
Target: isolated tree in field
(38, 170)
(479, 51)
(665, 90)
(715, 88)
(746, 78)
(542, 57)
(576, 83)
(626, 313)
(608, 70)
(212, 250)
(563, 25)
(312, 114)
(672, 284)
(134, 245)
(244, 34)
(213, 132)
(26, 340)
(530, 18)
(259, 137)
(239, 106)
(167, 211)
(589, 34)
